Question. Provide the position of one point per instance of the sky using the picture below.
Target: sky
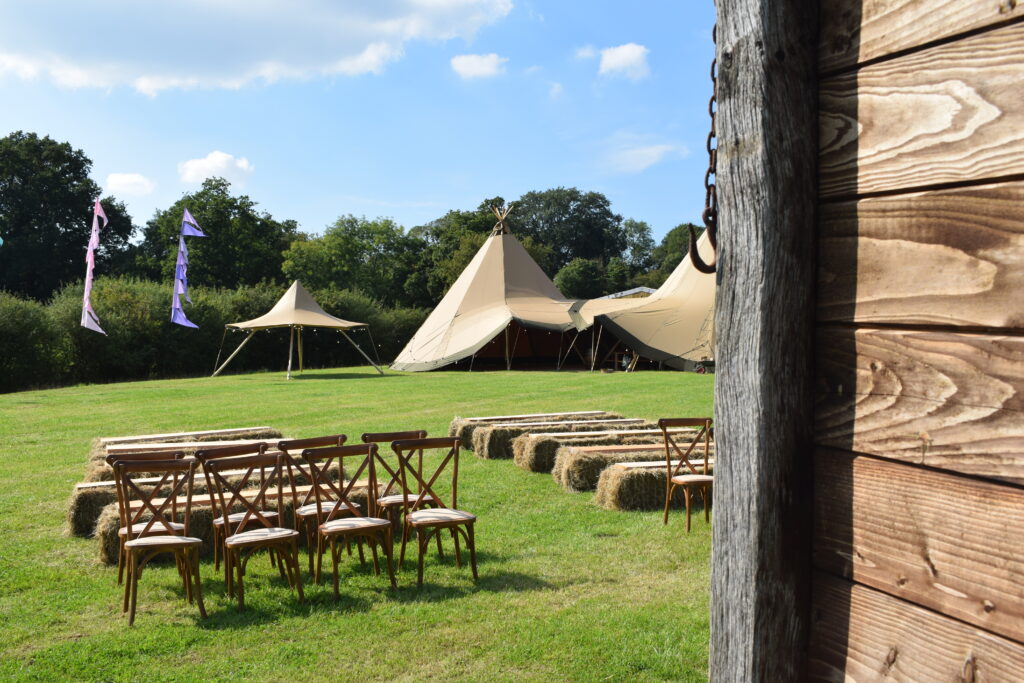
(396, 108)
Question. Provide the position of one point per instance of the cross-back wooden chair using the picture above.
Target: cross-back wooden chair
(253, 529)
(122, 510)
(305, 515)
(151, 526)
(217, 453)
(427, 521)
(391, 497)
(682, 472)
(342, 519)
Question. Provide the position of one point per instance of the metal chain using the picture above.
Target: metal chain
(710, 215)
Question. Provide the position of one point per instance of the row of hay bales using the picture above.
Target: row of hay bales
(537, 451)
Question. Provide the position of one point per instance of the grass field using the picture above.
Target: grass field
(567, 591)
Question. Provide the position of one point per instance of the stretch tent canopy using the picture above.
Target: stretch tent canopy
(295, 310)
(674, 324)
(500, 285)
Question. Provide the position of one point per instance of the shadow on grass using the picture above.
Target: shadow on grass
(343, 375)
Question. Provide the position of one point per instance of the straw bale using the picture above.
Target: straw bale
(495, 441)
(465, 427)
(576, 470)
(620, 488)
(536, 452)
(84, 509)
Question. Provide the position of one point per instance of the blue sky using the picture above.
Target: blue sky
(399, 108)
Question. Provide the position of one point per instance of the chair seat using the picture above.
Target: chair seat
(353, 524)
(236, 517)
(440, 516)
(310, 510)
(158, 529)
(161, 541)
(684, 479)
(258, 536)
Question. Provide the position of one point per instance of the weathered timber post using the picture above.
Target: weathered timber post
(766, 182)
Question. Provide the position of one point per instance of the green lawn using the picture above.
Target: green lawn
(567, 591)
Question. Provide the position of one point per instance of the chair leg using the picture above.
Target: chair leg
(280, 565)
(216, 548)
(229, 575)
(362, 558)
(405, 538)
(127, 583)
(372, 540)
(319, 556)
(120, 561)
(308, 528)
(471, 542)
(668, 500)
(455, 540)
(686, 496)
(135, 588)
(440, 552)
(706, 497)
(421, 541)
(295, 567)
(194, 563)
(387, 556)
(236, 560)
(334, 562)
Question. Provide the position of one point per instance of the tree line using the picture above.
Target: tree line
(46, 196)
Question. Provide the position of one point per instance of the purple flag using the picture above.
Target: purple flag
(89, 319)
(191, 228)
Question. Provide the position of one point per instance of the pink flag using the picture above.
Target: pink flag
(89, 319)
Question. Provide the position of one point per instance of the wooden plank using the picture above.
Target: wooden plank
(105, 440)
(939, 540)
(860, 634)
(532, 415)
(203, 500)
(519, 425)
(654, 464)
(613, 432)
(944, 399)
(855, 31)
(182, 445)
(640, 447)
(764, 322)
(949, 257)
(948, 114)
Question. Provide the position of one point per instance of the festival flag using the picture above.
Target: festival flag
(190, 227)
(89, 319)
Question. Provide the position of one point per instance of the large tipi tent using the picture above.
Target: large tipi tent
(500, 286)
(295, 310)
(674, 325)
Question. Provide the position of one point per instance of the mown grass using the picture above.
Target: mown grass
(567, 591)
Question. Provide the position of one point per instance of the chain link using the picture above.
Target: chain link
(710, 215)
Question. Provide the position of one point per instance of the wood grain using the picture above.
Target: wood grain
(939, 540)
(855, 31)
(764, 323)
(943, 399)
(860, 634)
(944, 115)
(949, 257)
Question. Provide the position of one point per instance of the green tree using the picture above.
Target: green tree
(241, 247)
(582, 279)
(46, 199)
(674, 246)
(573, 224)
(638, 256)
(617, 275)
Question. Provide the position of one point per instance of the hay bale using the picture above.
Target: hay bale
(621, 488)
(84, 509)
(464, 427)
(577, 470)
(495, 441)
(536, 452)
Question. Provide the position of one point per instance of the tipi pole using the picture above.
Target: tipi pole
(291, 343)
(564, 358)
(597, 345)
(219, 349)
(300, 349)
(244, 342)
(373, 345)
(508, 359)
(368, 360)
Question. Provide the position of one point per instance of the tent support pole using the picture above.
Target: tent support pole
(558, 358)
(219, 350)
(508, 359)
(597, 345)
(515, 344)
(564, 358)
(368, 360)
(373, 344)
(291, 343)
(300, 350)
(471, 359)
(244, 342)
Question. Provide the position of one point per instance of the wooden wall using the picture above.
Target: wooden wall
(918, 542)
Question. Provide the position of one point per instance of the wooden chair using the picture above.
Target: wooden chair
(122, 507)
(341, 517)
(683, 473)
(219, 525)
(305, 515)
(391, 499)
(160, 533)
(427, 521)
(241, 540)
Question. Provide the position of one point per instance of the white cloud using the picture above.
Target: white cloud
(629, 61)
(631, 153)
(555, 90)
(216, 163)
(156, 46)
(478, 66)
(132, 184)
(586, 52)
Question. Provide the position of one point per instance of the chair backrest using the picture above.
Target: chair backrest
(333, 496)
(158, 500)
(292, 448)
(392, 472)
(673, 447)
(427, 493)
(112, 459)
(214, 452)
(229, 491)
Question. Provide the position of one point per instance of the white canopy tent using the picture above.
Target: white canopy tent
(295, 310)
